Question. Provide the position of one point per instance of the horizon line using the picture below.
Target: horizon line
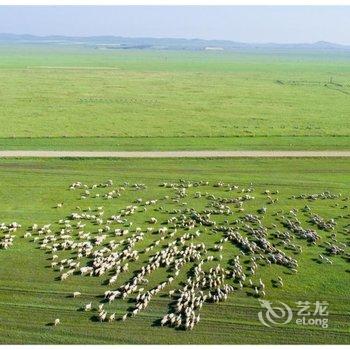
(177, 38)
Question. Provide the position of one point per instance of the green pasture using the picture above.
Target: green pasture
(55, 96)
(267, 143)
(31, 297)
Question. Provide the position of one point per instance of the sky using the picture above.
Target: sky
(252, 24)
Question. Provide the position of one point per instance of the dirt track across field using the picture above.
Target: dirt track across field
(172, 154)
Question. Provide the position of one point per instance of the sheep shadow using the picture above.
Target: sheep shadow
(318, 261)
(156, 323)
(275, 283)
(251, 294)
(94, 319)
(81, 309)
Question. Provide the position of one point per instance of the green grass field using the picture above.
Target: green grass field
(31, 297)
(70, 97)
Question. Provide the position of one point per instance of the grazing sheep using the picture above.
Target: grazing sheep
(103, 246)
(88, 307)
(111, 318)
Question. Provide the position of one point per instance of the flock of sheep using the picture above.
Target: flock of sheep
(89, 242)
(7, 234)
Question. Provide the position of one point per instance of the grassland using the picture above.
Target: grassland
(31, 297)
(263, 143)
(69, 97)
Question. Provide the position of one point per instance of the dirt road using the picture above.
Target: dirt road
(172, 154)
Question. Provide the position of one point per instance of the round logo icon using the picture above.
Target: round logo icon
(273, 315)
